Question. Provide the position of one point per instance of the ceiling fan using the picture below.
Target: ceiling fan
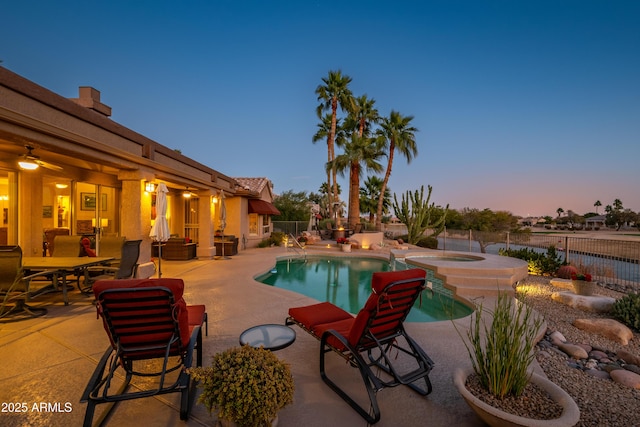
(30, 161)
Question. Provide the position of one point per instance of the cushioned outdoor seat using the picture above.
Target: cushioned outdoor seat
(145, 319)
(375, 338)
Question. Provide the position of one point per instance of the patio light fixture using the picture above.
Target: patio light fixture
(149, 187)
(27, 164)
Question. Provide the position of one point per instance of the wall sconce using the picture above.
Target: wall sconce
(149, 187)
(186, 193)
(61, 186)
(214, 200)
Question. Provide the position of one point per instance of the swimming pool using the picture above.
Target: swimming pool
(346, 282)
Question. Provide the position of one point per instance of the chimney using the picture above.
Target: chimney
(90, 98)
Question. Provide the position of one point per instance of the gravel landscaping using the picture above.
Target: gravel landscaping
(602, 401)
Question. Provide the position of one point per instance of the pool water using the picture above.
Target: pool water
(346, 282)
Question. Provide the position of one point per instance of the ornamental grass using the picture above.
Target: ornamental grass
(501, 348)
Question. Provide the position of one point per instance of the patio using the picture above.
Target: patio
(48, 360)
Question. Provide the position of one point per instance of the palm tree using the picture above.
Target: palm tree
(324, 133)
(597, 204)
(397, 133)
(369, 195)
(365, 114)
(359, 151)
(560, 211)
(335, 92)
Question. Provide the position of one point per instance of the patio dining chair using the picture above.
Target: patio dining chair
(126, 268)
(375, 341)
(152, 333)
(15, 287)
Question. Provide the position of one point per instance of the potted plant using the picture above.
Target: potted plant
(246, 386)
(302, 240)
(501, 351)
(582, 284)
(344, 243)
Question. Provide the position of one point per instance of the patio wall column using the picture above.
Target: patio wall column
(206, 221)
(136, 212)
(30, 232)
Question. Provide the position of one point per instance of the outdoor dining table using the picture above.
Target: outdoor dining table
(62, 266)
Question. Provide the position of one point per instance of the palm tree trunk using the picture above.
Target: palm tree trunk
(334, 118)
(384, 187)
(354, 195)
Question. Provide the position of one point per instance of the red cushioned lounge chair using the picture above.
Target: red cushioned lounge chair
(145, 319)
(374, 341)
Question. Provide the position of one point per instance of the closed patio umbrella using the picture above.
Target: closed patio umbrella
(160, 230)
(222, 217)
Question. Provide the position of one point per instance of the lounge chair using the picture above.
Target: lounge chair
(374, 339)
(15, 287)
(145, 319)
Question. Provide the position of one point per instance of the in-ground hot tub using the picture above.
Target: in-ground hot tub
(466, 274)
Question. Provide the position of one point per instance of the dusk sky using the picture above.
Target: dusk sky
(525, 106)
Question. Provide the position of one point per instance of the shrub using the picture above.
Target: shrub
(627, 310)
(539, 264)
(566, 271)
(246, 385)
(428, 242)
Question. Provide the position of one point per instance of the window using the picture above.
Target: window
(253, 224)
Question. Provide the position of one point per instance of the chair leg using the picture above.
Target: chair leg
(368, 378)
(21, 310)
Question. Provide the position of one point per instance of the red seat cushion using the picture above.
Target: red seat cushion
(176, 286)
(317, 314)
(341, 326)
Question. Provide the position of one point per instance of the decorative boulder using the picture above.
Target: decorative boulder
(608, 328)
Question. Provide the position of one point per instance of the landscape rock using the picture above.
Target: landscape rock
(594, 303)
(629, 358)
(557, 338)
(608, 328)
(626, 378)
(573, 350)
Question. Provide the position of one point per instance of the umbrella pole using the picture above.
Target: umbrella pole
(159, 260)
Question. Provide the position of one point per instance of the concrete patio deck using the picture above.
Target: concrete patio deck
(49, 359)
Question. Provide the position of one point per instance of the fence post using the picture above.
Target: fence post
(469, 240)
(507, 240)
(445, 239)
(566, 249)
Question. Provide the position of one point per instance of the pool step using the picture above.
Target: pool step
(468, 285)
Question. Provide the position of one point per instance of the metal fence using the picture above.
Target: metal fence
(609, 260)
(290, 227)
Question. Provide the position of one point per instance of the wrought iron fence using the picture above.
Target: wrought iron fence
(609, 260)
(291, 227)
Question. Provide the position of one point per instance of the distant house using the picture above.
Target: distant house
(595, 221)
(256, 196)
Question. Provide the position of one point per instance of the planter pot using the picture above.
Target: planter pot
(496, 417)
(346, 247)
(227, 423)
(582, 287)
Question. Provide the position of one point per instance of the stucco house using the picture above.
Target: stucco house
(93, 176)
